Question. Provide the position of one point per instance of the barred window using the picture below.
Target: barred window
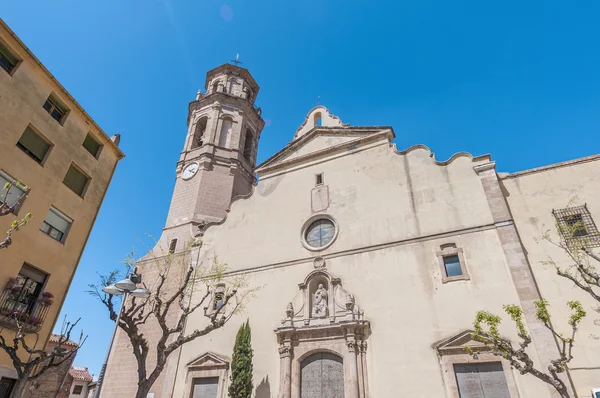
(576, 226)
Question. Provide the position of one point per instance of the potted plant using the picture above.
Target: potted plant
(46, 299)
(12, 282)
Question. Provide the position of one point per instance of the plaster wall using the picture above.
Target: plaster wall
(394, 211)
(22, 95)
(532, 195)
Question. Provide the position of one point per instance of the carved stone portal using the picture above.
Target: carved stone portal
(323, 327)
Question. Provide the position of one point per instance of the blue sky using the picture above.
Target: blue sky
(519, 80)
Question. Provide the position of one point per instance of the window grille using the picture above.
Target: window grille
(576, 226)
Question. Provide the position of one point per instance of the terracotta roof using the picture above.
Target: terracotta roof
(80, 373)
(55, 338)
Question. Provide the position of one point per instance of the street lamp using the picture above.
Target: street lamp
(127, 286)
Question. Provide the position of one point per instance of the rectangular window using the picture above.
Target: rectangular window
(452, 266)
(56, 224)
(77, 389)
(172, 246)
(54, 108)
(576, 226)
(480, 380)
(7, 60)
(205, 387)
(34, 145)
(319, 179)
(11, 197)
(92, 145)
(6, 387)
(76, 180)
(28, 288)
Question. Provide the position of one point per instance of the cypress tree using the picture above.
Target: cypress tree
(241, 364)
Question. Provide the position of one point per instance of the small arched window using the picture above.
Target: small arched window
(248, 144)
(198, 139)
(249, 94)
(318, 121)
(231, 83)
(215, 87)
(172, 246)
(226, 128)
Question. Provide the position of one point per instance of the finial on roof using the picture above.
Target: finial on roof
(116, 139)
(236, 61)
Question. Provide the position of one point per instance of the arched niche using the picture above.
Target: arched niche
(226, 130)
(199, 132)
(318, 290)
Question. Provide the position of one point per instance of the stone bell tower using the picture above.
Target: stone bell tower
(219, 153)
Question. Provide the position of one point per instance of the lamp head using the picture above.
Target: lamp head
(112, 289)
(140, 293)
(126, 284)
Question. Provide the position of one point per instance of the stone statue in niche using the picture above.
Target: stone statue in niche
(320, 302)
(349, 302)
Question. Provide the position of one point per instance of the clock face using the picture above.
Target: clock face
(189, 171)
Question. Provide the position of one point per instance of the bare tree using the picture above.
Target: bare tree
(486, 332)
(6, 208)
(38, 361)
(178, 290)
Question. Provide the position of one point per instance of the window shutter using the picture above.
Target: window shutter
(91, 145)
(206, 387)
(75, 180)
(34, 143)
(481, 380)
(13, 195)
(467, 379)
(493, 382)
(58, 220)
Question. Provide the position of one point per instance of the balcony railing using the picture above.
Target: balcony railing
(20, 310)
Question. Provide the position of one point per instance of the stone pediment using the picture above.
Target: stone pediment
(457, 343)
(321, 142)
(209, 360)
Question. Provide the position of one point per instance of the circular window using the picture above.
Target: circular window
(320, 233)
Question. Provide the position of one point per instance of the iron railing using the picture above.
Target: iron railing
(19, 309)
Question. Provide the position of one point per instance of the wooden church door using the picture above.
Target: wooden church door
(322, 376)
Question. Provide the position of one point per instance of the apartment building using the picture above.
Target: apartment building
(66, 162)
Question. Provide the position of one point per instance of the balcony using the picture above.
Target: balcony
(20, 310)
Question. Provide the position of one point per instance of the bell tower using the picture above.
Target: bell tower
(219, 154)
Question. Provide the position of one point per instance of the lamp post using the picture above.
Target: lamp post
(125, 287)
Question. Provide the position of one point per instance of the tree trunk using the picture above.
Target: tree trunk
(143, 390)
(20, 388)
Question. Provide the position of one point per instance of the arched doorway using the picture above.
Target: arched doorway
(322, 376)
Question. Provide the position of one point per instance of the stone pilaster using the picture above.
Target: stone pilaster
(363, 361)
(285, 381)
(353, 387)
(519, 267)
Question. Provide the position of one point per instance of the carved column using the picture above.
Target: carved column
(285, 366)
(363, 360)
(352, 366)
(361, 386)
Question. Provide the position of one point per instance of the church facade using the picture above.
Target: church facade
(369, 261)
